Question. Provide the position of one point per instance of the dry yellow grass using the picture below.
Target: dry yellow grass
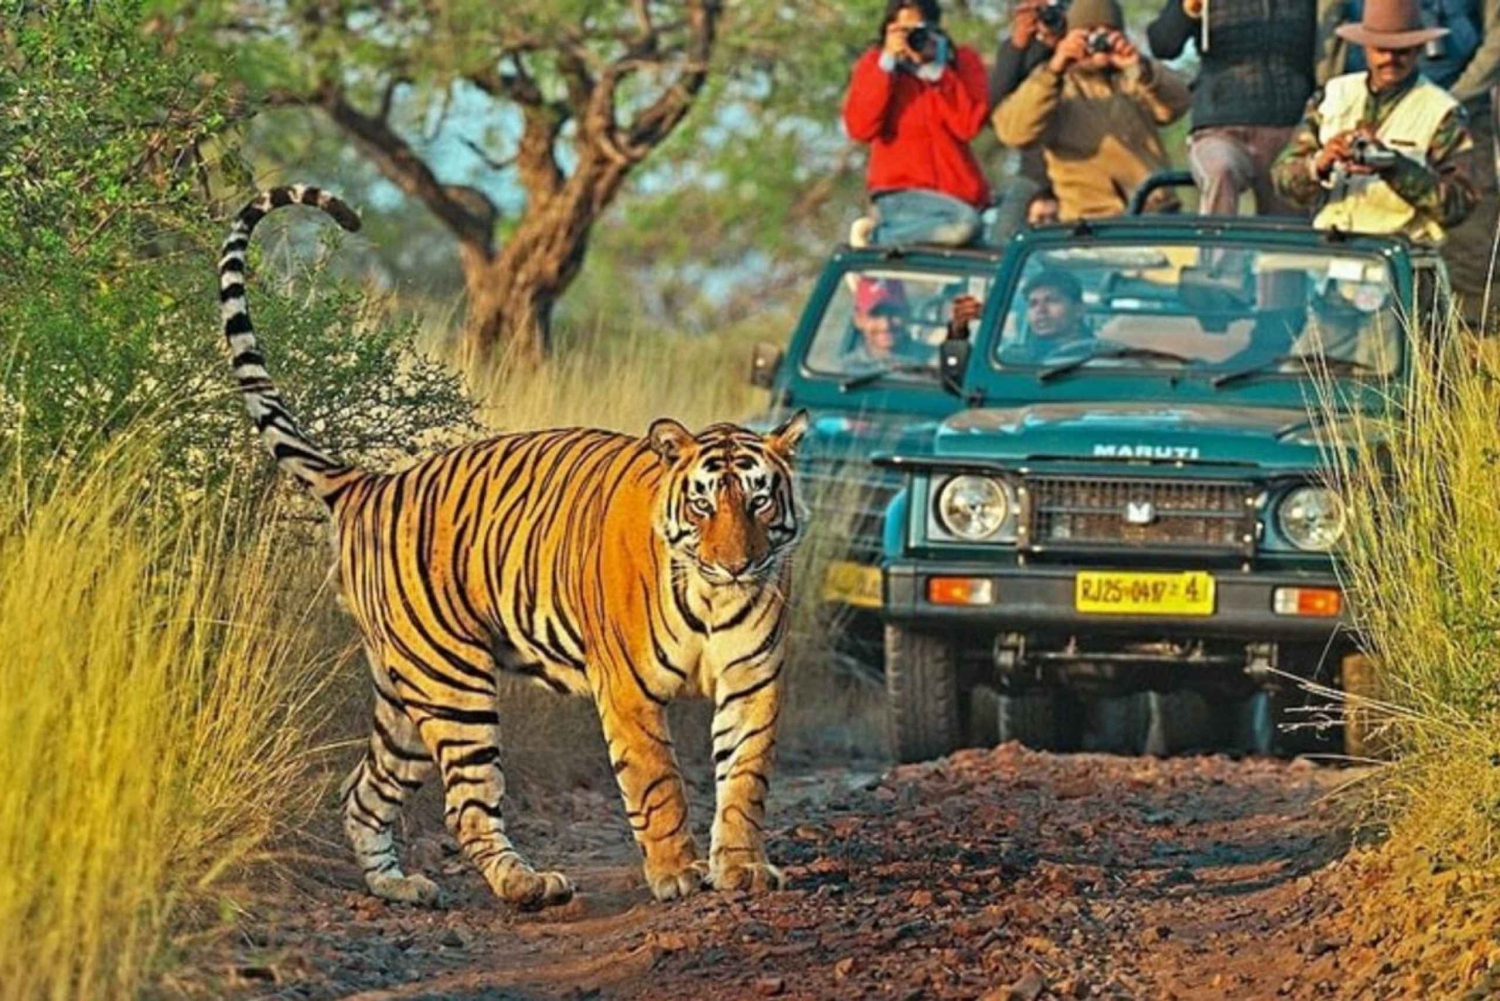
(1423, 565)
(151, 702)
(623, 380)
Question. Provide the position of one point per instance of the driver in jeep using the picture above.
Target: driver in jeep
(1055, 321)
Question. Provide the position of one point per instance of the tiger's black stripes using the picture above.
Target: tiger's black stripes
(631, 570)
(292, 449)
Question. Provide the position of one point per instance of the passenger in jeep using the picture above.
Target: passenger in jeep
(880, 316)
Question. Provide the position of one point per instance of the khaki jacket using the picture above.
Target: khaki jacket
(1098, 131)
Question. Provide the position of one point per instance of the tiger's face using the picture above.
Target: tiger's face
(727, 508)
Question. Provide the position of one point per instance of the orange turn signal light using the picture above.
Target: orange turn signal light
(960, 590)
(1315, 602)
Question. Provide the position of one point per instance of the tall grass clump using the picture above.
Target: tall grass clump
(1422, 565)
(152, 706)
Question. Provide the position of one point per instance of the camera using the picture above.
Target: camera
(920, 37)
(1053, 15)
(1100, 42)
(1367, 154)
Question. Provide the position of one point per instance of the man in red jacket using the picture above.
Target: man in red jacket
(918, 99)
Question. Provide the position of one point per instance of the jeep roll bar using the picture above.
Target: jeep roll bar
(1158, 180)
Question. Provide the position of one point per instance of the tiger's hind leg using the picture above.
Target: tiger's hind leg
(393, 767)
(462, 733)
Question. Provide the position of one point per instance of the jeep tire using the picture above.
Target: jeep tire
(1030, 718)
(1188, 721)
(1359, 676)
(921, 684)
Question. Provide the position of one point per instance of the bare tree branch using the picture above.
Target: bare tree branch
(489, 161)
(388, 97)
(395, 158)
(657, 120)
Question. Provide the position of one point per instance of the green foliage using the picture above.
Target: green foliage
(108, 304)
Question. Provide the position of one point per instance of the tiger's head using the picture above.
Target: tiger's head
(727, 508)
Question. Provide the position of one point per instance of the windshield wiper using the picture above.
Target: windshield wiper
(1307, 423)
(875, 375)
(1346, 366)
(1120, 351)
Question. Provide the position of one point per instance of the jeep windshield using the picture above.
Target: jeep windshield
(1220, 313)
(886, 322)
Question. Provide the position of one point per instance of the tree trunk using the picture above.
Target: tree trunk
(508, 316)
(511, 293)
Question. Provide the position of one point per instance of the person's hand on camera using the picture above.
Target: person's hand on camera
(1336, 152)
(896, 43)
(1074, 48)
(1027, 26)
(1123, 54)
(1026, 23)
(1365, 135)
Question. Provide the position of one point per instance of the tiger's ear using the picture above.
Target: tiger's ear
(669, 439)
(788, 435)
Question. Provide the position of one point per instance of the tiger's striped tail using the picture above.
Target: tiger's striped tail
(292, 449)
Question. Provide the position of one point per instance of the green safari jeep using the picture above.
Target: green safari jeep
(1098, 519)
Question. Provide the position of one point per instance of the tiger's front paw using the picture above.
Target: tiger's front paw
(414, 889)
(754, 875)
(673, 882)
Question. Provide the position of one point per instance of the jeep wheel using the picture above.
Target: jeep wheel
(921, 684)
(1254, 720)
(1118, 724)
(984, 717)
(1189, 721)
(1032, 719)
(1359, 676)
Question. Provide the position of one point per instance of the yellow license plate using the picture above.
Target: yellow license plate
(1106, 592)
(852, 584)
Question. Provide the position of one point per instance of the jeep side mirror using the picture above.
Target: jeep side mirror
(765, 362)
(953, 359)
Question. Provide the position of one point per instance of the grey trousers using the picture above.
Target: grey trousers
(1228, 160)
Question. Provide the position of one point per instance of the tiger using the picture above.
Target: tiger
(632, 570)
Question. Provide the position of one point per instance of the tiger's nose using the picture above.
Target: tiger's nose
(735, 567)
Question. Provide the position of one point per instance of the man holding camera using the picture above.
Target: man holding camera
(1256, 75)
(1384, 150)
(1095, 108)
(1467, 62)
(918, 100)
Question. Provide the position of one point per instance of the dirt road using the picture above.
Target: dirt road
(997, 874)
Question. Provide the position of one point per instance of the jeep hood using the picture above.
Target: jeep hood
(1273, 438)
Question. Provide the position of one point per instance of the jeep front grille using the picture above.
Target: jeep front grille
(1085, 512)
(847, 501)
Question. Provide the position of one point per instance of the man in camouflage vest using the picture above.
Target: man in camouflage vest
(1383, 150)
(1467, 64)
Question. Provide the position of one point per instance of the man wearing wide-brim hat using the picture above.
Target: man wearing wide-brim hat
(1383, 150)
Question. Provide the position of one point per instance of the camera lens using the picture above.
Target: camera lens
(918, 37)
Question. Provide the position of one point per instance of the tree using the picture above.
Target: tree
(585, 90)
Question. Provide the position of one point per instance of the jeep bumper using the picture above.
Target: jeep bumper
(1034, 598)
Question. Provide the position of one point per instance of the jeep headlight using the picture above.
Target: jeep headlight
(973, 507)
(1311, 518)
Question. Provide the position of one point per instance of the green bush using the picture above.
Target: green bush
(108, 241)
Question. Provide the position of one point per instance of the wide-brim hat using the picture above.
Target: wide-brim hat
(1390, 24)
